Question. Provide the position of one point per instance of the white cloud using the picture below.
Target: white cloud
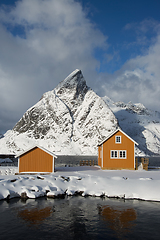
(138, 80)
(42, 41)
(56, 38)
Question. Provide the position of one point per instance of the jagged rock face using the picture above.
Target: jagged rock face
(140, 123)
(70, 119)
(56, 108)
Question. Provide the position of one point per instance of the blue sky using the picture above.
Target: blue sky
(112, 18)
(116, 44)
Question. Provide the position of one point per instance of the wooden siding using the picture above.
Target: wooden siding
(118, 163)
(36, 160)
(100, 155)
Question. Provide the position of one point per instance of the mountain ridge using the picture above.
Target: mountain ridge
(140, 123)
(70, 119)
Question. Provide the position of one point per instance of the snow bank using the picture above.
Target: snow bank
(8, 170)
(83, 180)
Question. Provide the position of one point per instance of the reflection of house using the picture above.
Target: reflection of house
(119, 220)
(117, 151)
(35, 215)
(36, 160)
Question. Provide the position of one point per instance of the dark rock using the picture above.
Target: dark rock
(24, 195)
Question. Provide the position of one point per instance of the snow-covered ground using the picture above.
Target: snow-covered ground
(85, 180)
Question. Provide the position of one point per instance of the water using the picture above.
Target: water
(79, 218)
(154, 161)
(73, 161)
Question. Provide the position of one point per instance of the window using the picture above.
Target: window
(114, 154)
(118, 139)
(121, 154)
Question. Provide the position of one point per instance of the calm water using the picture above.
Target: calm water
(73, 161)
(79, 218)
(154, 161)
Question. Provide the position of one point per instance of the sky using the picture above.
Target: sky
(115, 43)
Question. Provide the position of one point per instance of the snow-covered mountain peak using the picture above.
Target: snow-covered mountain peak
(74, 80)
(70, 91)
(70, 119)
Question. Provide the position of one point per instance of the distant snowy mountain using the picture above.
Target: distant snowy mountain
(70, 119)
(140, 123)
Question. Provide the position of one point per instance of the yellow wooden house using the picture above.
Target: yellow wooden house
(36, 160)
(117, 151)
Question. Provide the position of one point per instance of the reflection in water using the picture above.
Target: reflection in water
(79, 218)
(78, 229)
(119, 220)
(35, 215)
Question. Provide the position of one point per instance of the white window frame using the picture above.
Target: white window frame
(115, 154)
(118, 139)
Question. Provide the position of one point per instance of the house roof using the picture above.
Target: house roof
(32, 147)
(114, 132)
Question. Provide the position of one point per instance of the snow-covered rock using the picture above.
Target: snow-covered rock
(70, 119)
(140, 123)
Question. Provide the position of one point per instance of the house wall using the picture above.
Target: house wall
(126, 144)
(36, 160)
(100, 155)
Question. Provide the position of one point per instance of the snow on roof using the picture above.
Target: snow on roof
(34, 146)
(114, 132)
